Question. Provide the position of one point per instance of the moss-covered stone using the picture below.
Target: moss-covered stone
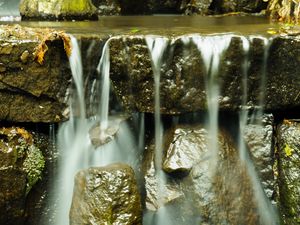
(288, 149)
(21, 166)
(57, 9)
(106, 195)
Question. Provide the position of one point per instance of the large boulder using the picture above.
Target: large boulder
(106, 195)
(34, 75)
(288, 147)
(223, 194)
(57, 9)
(21, 166)
(272, 76)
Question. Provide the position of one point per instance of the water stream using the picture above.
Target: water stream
(77, 151)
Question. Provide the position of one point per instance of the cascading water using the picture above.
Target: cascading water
(268, 215)
(77, 151)
(157, 47)
(212, 49)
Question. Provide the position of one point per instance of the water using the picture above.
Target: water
(157, 47)
(212, 49)
(77, 151)
(268, 214)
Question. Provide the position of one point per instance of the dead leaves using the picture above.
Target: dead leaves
(42, 48)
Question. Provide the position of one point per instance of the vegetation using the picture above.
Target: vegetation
(287, 11)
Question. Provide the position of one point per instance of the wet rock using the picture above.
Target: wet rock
(21, 166)
(199, 7)
(258, 136)
(106, 195)
(288, 147)
(24, 56)
(30, 91)
(227, 6)
(185, 149)
(205, 194)
(107, 7)
(57, 10)
(100, 135)
(183, 74)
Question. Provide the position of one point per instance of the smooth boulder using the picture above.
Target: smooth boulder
(106, 195)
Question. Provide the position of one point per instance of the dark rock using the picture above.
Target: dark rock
(106, 195)
(288, 147)
(258, 136)
(30, 91)
(57, 9)
(107, 7)
(183, 74)
(21, 166)
(199, 7)
(227, 6)
(210, 196)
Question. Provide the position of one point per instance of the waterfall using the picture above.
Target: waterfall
(157, 47)
(268, 215)
(212, 49)
(74, 144)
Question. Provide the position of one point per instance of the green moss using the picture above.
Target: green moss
(33, 166)
(77, 7)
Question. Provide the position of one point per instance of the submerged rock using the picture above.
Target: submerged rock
(196, 191)
(258, 136)
(106, 195)
(288, 147)
(21, 166)
(57, 9)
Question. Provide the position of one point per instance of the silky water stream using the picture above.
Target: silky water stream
(77, 151)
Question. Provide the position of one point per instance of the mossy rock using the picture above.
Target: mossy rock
(21, 166)
(57, 10)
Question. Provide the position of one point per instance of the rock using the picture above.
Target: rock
(30, 91)
(57, 10)
(107, 7)
(213, 197)
(227, 6)
(100, 136)
(186, 148)
(21, 166)
(106, 195)
(288, 147)
(200, 7)
(258, 136)
(183, 74)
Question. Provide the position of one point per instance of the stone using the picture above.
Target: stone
(199, 7)
(227, 6)
(30, 91)
(21, 166)
(201, 194)
(57, 10)
(258, 136)
(288, 150)
(106, 195)
(107, 7)
(100, 135)
(183, 73)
